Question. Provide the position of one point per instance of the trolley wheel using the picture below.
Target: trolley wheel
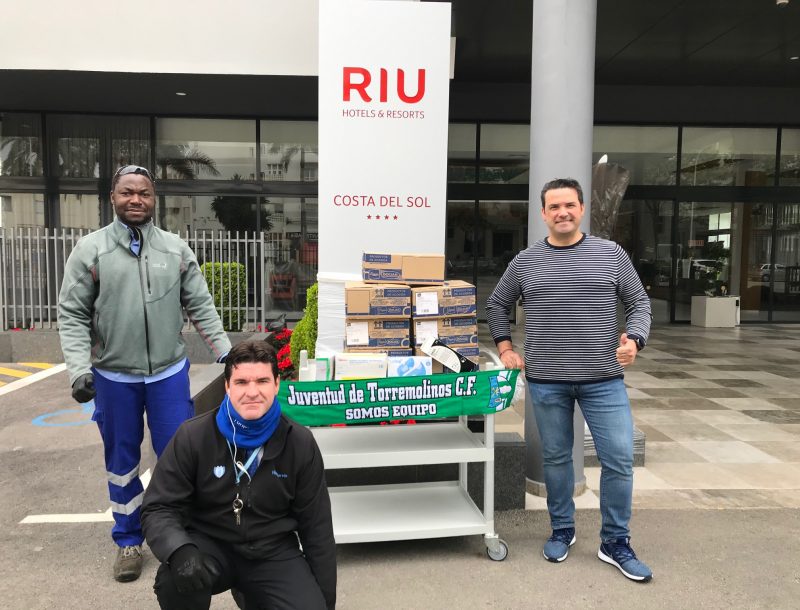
(499, 553)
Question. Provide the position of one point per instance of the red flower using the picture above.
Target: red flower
(284, 351)
(283, 335)
(285, 364)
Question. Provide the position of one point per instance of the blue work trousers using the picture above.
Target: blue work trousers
(607, 412)
(119, 414)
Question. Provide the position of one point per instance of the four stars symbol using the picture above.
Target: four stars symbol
(385, 217)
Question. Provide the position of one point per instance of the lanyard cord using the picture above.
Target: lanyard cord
(240, 468)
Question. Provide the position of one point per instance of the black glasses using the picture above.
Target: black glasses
(133, 169)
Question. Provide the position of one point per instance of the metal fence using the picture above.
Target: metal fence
(278, 271)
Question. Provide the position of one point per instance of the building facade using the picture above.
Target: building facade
(698, 103)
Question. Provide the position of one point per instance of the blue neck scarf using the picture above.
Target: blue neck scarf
(249, 433)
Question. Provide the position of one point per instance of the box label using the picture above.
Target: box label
(377, 275)
(357, 333)
(377, 258)
(423, 330)
(427, 304)
(450, 310)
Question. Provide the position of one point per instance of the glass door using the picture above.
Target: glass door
(755, 261)
(706, 236)
(502, 233)
(479, 247)
(460, 242)
(770, 262)
(784, 272)
(644, 230)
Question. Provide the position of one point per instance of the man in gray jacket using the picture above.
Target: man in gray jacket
(120, 316)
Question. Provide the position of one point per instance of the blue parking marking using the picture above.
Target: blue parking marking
(85, 409)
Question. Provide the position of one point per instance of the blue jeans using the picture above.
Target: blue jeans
(607, 412)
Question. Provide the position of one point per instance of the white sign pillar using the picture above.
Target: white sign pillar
(383, 116)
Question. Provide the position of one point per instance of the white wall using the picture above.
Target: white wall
(180, 36)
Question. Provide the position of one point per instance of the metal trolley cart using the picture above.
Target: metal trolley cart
(373, 513)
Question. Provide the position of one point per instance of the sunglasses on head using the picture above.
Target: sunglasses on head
(134, 169)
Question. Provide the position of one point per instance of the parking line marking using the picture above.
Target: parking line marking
(69, 518)
(21, 383)
(37, 365)
(79, 517)
(14, 372)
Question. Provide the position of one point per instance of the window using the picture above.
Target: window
(21, 210)
(88, 146)
(80, 211)
(205, 149)
(461, 153)
(650, 154)
(728, 157)
(289, 151)
(20, 144)
(505, 154)
(790, 157)
(204, 213)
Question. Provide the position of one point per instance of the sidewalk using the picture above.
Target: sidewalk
(720, 408)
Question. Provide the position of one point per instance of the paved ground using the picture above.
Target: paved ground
(699, 461)
(720, 409)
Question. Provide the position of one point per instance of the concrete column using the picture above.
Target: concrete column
(562, 116)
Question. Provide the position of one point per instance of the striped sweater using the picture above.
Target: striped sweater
(570, 299)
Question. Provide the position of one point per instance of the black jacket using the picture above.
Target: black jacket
(190, 491)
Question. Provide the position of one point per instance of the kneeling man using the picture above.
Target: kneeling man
(234, 492)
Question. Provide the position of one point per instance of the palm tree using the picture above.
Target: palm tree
(186, 161)
(240, 213)
(19, 157)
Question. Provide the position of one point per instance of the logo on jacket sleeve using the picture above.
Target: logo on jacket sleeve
(219, 471)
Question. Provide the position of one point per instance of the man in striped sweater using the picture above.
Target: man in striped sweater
(570, 283)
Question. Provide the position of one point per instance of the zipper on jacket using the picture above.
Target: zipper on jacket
(144, 309)
(247, 504)
(147, 273)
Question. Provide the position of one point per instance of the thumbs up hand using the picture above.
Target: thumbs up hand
(626, 352)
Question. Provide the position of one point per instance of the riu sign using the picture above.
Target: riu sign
(359, 80)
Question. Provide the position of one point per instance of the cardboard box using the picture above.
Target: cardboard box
(453, 298)
(421, 269)
(391, 352)
(360, 366)
(451, 331)
(377, 332)
(377, 300)
(471, 352)
(409, 366)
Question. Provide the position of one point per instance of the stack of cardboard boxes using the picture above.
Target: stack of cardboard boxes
(448, 312)
(403, 299)
(377, 318)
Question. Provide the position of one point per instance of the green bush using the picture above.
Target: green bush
(304, 335)
(227, 283)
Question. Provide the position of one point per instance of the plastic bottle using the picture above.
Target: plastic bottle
(306, 371)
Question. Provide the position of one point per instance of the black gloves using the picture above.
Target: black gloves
(83, 388)
(192, 570)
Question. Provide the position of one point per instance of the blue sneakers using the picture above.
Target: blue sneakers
(620, 554)
(557, 546)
